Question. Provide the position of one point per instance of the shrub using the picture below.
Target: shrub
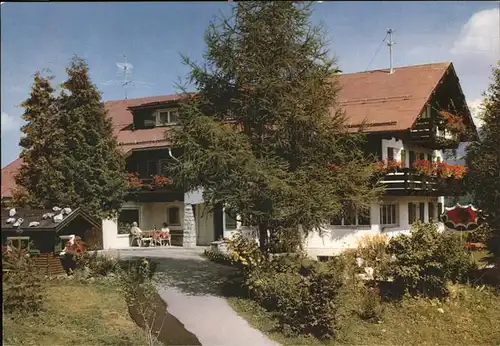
(139, 271)
(22, 283)
(135, 278)
(373, 250)
(370, 305)
(245, 252)
(426, 260)
(301, 293)
(480, 235)
(97, 264)
(217, 256)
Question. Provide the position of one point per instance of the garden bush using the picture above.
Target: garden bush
(373, 250)
(480, 235)
(140, 270)
(245, 252)
(301, 293)
(370, 306)
(22, 283)
(427, 260)
(217, 256)
(97, 264)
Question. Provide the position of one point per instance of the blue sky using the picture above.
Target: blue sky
(46, 35)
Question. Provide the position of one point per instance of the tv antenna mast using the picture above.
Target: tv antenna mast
(390, 43)
(127, 70)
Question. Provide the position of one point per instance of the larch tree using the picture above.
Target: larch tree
(39, 181)
(483, 161)
(71, 156)
(264, 134)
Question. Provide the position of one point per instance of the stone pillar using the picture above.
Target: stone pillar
(189, 232)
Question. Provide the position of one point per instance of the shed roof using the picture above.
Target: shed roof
(30, 215)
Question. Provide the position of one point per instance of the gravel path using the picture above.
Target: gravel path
(191, 287)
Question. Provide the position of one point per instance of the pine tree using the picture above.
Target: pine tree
(39, 179)
(94, 168)
(265, 134)
(483, 160)
(71, 157)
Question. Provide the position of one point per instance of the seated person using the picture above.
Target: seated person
(166, 232)
(136, 232)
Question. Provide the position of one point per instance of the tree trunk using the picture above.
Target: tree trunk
(263, 239)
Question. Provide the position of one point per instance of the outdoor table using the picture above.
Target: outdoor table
(154, 236)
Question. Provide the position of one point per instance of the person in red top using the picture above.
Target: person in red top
(165, 233)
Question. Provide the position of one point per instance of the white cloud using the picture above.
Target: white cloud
(10, 123)
(479, 35)
(475, 110)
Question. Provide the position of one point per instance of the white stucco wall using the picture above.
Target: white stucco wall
(109, 233)
(399, 145)
(335, 238)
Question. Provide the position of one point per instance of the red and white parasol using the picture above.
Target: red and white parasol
(462, 218)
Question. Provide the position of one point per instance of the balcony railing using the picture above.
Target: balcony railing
(426, 133)
(156, 182)
(409, 182)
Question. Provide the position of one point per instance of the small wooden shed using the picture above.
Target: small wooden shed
(44, 233)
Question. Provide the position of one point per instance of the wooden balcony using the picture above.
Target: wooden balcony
(407, 182)
(426, 134)
(155, 189)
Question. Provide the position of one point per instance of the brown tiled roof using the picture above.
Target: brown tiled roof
(391, 102)
(386, 102)
(8, 172)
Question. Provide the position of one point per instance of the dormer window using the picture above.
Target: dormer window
(166, 117)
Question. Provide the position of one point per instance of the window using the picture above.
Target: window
(422, 156)
(230, 221)
(352, 218)
(421, 211)
(432, 211)
(429, 157)
(412, 157)
(403, 157)
(20, 243)
(125, 219)
(438, 159)
(390, 154)
(364, 218)
(152, 168)
(163, 167)
(388, 214)
(173, 217)
(412, 213)
(166, 117)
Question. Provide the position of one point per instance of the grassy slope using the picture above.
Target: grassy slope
(76, 314)
(470, 317)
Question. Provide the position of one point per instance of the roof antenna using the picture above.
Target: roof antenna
(390, 43)
(127, 69)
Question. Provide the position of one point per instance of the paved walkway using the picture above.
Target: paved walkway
(190, 285)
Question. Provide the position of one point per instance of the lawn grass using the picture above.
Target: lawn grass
(471, 317)
(76, 313)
